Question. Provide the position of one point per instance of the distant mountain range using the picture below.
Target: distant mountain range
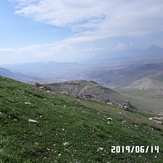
(18, 76)
(131, 76)
(152, 53)
(118, 68)
(6, 73)
(47, 72)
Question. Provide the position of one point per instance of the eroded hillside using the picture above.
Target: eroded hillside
(91, 90)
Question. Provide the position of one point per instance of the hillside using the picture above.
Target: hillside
(6, 73)
(39, 127)
(91, 90)
(18, 76)
(124, 77)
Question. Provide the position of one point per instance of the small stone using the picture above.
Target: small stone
(27, 103)
(32, 120)
(109, 119)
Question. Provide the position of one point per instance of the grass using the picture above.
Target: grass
(149, 100)
(69, 130)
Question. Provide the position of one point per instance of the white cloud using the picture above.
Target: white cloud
(54, 52)
(97, 19)
(120, 47)
(95, 49)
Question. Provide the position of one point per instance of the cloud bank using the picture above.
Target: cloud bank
(95, 26)
(97, 19)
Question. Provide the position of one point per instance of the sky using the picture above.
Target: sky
(70, 31)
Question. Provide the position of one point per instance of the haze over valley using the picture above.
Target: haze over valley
(134, 76)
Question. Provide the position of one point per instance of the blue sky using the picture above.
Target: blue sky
(68, 30)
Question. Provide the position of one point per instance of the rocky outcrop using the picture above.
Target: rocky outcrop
(42, 86)
(71, 83)
(158, 120)
(65, 93)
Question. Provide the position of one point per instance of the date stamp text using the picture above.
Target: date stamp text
(134, 149)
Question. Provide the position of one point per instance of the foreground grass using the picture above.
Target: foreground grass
(69, 130)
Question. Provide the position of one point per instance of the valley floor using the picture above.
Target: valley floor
(148, 100)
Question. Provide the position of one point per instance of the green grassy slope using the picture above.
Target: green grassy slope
(148, 100)
(69, 130)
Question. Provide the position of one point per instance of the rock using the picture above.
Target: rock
(32, 120)
(42, 86)
(65, 93)
(93, 82)
(158, 118)
(53, 93)
(27, 103)
(122, 113)
(158, 122)
(127, 108)
(65, 143)
(39, 84)
(109, 119)
(37, 95)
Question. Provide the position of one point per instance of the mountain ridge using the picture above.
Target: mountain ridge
(18, 76)
(91, 90)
